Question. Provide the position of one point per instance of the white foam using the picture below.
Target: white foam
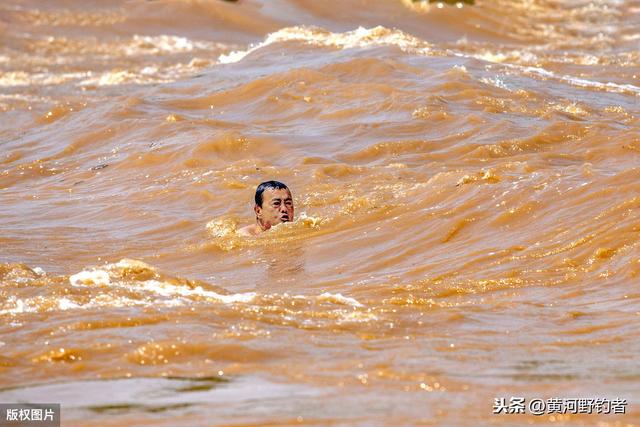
(86, 278)
(131, 263)
(577, 81)
(119, 77)
(169, 290)
(19, 307)
(381, 36)
(339, 299)
(308, 220)
(221, 227)
(173, 298)
(361, 37)
(496, 82)
(166, 44)
(22, 78)
(110, 275)
(67, 304)
(357, 317)
(151, 292)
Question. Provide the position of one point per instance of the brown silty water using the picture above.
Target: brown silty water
(466, 186)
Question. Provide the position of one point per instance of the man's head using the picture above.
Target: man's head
(274, 204)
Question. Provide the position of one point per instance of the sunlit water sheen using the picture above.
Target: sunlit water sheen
(467, 200)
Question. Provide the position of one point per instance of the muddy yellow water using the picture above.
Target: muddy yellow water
(467, 189)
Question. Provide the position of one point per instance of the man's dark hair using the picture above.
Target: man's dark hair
(272, 185)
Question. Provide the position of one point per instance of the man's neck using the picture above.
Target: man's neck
(261, 226)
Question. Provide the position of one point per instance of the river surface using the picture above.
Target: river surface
(467, 189)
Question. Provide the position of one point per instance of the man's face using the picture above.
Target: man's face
(277, 207)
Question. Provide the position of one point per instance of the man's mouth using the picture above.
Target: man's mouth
(284, 218)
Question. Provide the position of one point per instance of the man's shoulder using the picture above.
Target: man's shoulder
(248, 231)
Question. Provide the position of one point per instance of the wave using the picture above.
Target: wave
(133, 283)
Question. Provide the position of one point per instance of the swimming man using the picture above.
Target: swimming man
(274, 205)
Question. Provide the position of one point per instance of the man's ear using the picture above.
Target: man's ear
(258, 210)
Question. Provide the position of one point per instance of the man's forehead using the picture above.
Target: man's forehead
(277, 193)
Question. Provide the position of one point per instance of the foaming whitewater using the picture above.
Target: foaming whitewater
(130, 283)
(359, 38)
(380, 36)
(465, 185)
